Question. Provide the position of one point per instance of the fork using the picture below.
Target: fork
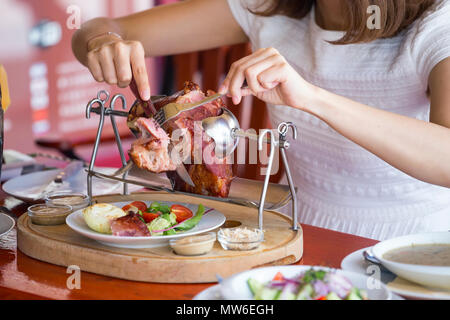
(173, 109)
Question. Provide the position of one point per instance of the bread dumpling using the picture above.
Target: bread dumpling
(99, 216)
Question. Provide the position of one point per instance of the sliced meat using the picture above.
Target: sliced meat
(129, 226)
(151, 150)
(211, 175)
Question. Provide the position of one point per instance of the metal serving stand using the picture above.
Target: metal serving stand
(152, 181)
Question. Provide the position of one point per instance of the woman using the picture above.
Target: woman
(372, 105)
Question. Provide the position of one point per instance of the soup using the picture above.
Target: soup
(428, 255)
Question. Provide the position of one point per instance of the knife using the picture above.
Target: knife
(182, 172)
(181, 169)
(70, 170)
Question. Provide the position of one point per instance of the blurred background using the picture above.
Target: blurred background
(50, 89)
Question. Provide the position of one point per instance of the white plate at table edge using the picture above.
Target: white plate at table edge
(354, 262)
(211, 293)
(10, 226)
(76, 222)
(235, 287)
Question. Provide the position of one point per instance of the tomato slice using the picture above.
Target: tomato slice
(129, 208)
(181, 212)
(278, 277)
(140, 205)
(149, 217)
(135, 206)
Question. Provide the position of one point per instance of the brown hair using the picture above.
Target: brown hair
(396, 15)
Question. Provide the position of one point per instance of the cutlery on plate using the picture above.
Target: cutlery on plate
(368, 256)
(69, 171)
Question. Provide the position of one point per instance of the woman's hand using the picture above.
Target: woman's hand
(159, 31)
(115, 61)
(269, 78)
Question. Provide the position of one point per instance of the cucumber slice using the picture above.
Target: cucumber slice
(333, 296)
(267, 294)
(255, 286)
(305, 292)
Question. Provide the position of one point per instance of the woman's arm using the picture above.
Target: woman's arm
(420, 149)
(186, 26)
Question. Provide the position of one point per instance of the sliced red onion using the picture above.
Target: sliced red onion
(277, 284)
(339, 284)
(320, 288)
(289, 289)
(293, 281)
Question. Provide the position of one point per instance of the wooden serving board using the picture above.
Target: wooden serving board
(62, 246)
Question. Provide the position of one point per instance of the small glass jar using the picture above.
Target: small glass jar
(240, 239)
(49, 215)
(76, 200)
(195, 245)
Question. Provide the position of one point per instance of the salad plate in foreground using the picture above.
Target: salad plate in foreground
(302, 283)
(143, 224)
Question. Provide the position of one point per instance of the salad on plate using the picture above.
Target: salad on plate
(309, 285)
(136, 219)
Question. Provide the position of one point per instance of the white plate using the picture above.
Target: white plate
(355, 262)
(432, 276)
(210, 221)
(236, 287)
(212, 293)
(14, 164)
(27, 187)
(6, 224)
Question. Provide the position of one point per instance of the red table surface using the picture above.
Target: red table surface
(22, 277)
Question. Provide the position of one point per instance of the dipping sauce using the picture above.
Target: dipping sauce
(76, 200)
(240, 239)
(194, 245)
(427, 255)
(49, 215)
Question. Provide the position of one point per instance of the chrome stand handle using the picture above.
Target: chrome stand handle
(283, 129)
(269, 170)
(103, 111)
(282, 142)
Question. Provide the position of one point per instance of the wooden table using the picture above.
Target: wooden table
(22, 277)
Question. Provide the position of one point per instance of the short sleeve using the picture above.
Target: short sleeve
(240, 11)
(431, 38)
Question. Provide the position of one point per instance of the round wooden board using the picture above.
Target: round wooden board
(62, 246)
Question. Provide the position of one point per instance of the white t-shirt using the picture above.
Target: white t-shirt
(341, 185)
